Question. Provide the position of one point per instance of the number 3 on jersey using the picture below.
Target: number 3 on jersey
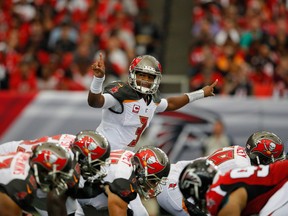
(139, 130)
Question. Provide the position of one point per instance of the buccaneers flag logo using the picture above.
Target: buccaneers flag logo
(268, 148)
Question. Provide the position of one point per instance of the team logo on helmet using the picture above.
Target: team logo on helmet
(268, 148)
(48, 158)
(150, 160)
(88, 145)
(134, 63)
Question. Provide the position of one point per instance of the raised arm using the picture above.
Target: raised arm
(95, 97)
(177, 102)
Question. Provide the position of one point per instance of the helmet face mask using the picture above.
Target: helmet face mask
(52, 166)
(264, 148)
(148, 65)
(92, 151)
(195, 179)
(151, 166)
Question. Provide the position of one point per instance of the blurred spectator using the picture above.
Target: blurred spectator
(217, 139)
(23, 78)
(116, 58)
(49, 74)
(207, 73)
(63, 38)
(237, 82)
(147, 35)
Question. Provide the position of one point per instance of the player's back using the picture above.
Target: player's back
(231, 157)
(28, 145)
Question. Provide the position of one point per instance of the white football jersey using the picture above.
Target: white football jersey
(124, 124)
(120, 167)
(171, 198)
(231, 157)
(27, 145)
(14, 166)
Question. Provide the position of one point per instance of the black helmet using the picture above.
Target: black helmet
(264, 148)
(151, 166)
(195, 180)
(92, 150)
(145, 64)
(52, 165)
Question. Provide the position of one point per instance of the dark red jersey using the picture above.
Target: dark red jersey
(260, 182)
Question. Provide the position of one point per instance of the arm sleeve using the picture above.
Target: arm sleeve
(162, 106)
(109, 101)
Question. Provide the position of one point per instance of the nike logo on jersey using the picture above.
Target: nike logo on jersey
(131, 188)
(28, 189)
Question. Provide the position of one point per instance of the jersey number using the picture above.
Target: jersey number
(261, 171)
(6, 163)
(139, 131)
(221, 156)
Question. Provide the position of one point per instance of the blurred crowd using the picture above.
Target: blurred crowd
(50, 44)
(243, 44)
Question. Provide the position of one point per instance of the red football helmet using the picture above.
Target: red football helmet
(145, 64)
(151, 166)
(264, 148)
(92, 150)
(52, 166)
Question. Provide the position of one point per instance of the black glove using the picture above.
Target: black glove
(90, 189)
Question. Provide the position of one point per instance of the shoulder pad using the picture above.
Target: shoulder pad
(121, 91)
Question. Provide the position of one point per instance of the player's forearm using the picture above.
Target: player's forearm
(177, 102)
(95, 97)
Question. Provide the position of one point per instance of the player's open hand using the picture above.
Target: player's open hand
(209, 89)
(99, 67)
